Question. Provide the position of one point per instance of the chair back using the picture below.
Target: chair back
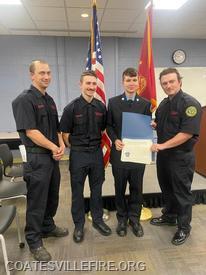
(1, 172)
(7, 214)
(6, 155)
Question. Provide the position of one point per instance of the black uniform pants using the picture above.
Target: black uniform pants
(175, 174)
(83, 164)
(42, 176)
(130, 209)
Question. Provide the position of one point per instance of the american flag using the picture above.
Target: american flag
(95, 63)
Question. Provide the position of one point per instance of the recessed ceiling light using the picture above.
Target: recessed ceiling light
(84, 15)
(167, 4)
(10, 2)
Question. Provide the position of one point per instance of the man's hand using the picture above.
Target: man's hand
(58, 152)
(153, 124)
(118, 144)
(156, 147)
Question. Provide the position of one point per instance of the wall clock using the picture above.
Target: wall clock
(178, 56)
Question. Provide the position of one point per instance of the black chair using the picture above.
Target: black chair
(10, 170)
(7, 215)
(10, 190)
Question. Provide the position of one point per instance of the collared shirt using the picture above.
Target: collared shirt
(84, 122)
(130, 98)
(33, 110)
(180, 114)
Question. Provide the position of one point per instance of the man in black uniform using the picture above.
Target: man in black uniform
(36, 119)
(129, 101)
(177, 123)
(82, 123)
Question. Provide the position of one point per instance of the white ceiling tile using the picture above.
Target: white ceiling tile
(132, 34)
(114, 16)
(79, 25)
(194, 6)
(119, 15)
(138, 29)
(138, 24)
(80, 34)
(44, 3)
(129, 4)
(78, 3)
(112, 34)
(54, 33)
(51, 25)
(141, 18)
(74, 14)
(114, 26)
(47, 13)
(85, 3)
(25, 32)
(15, 17)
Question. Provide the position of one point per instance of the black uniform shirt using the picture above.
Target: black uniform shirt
(181, 114)
(84, 121)
(32, 110)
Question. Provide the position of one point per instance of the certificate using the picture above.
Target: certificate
(137, 150)
(136, 126)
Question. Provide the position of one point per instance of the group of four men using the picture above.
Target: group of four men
(81, 126)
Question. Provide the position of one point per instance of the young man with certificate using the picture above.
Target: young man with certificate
(124, 172)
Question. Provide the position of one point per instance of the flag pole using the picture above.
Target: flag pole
(95, 62)
(146, 78)
(91, 31)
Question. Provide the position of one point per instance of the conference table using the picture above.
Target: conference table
(11, 138)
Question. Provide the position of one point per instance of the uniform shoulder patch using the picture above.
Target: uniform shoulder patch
(191, 111)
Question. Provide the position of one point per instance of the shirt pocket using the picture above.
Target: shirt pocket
(42, 116)
(99, 118)
(80, 124)
(174, 119)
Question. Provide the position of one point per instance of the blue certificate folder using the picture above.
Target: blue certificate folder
(136, 126)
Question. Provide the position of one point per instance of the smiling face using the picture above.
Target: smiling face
(170, 84)
(88, 86)
(41, 76)
(130, 84)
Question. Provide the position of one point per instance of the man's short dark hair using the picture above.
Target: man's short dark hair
(87, 73)
(33, 64)
(170, 71)
(132, 72)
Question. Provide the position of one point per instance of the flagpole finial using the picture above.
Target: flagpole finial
(148, 5)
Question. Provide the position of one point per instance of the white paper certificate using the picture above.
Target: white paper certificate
(137, 150)
(23, 153)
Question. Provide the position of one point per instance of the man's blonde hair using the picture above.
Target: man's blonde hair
(32, 66)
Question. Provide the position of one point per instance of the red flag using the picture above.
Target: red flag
(147, 88)
(95, 63)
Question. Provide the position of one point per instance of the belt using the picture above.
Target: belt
(37, 150)
(84, 148)
(173, 152)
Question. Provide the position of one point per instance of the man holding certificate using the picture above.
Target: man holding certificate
(124, 172)
(177, 123)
